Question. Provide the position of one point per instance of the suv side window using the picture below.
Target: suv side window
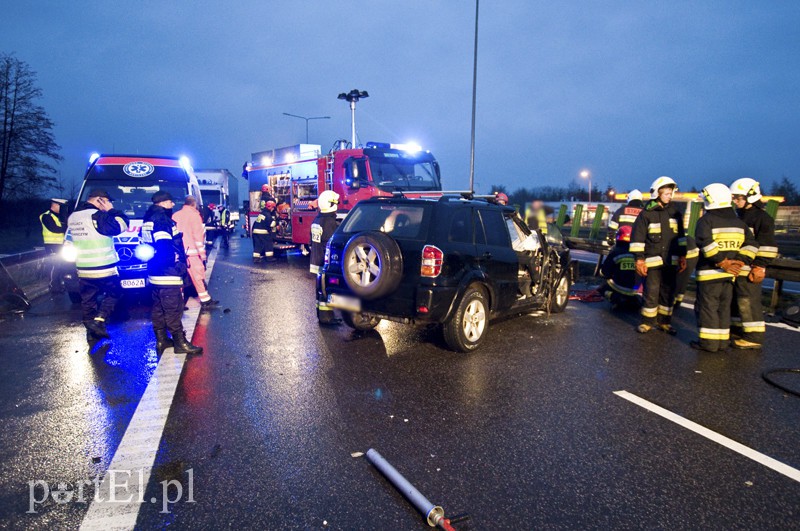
(495, 228)
(461, 226)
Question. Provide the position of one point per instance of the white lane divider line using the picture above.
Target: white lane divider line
(120, 496)
(739, 448)
(774, 325)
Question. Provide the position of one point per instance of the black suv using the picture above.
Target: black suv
(456, 260)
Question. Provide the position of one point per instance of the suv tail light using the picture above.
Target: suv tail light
(431, 261)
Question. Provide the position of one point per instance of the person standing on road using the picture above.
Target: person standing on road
(165, 271)
(210, 221)
(225, 225)
(92, 228)
(54, 226)
(657, 235)
(748, 315)
(322, 228)
(263, 230)
(190, 224)
(726, 246)
(625, 215)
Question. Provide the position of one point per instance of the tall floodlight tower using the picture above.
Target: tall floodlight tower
(353, 96)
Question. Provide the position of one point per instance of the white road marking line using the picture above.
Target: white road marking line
(739, 448)
(133, 461)
(774, 325)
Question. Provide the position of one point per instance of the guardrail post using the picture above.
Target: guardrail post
(772, 208)
(562, 216)
(694, 214)
(576, 221)
(598, 219)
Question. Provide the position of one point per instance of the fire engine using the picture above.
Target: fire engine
(296, 175)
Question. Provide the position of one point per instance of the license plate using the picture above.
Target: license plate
(351, 304)
(132, 283)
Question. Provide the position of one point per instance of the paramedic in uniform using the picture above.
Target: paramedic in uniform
(658, 235)
(748, 316)
(190, 224)
(322, 228)
(726, 246)
(165, 271)
(92, 228)
(54, 226)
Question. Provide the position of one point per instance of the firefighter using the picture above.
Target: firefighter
(726, 246)
(92, 228)
(501, 198)
(54, 226)
(625, 215)
(619, 269)
(682, 282)
(263, 231)
(266, 195)
(748, 316)
(165, 271)
(658, 235)
(322, 228)
(190, 224)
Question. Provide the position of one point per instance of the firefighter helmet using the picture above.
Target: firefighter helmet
(624, 233)
(660, 183)
(501, 198)
(328, 201)
(747, 187)
(270, 205)
(212, 206)
(265, 189)
(716, 195)
(634, 195)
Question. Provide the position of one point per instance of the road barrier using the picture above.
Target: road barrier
(30, 270)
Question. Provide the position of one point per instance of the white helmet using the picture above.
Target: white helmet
(634, 195)
(747, 187)
(328, 201)
(716, 195)
(661, 182)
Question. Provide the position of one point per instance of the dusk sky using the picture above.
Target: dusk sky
(701, 91)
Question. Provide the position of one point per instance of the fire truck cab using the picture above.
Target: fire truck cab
(295, 181)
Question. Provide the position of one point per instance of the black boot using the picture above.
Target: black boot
(163, 342)
(97, 327)
(182, 345)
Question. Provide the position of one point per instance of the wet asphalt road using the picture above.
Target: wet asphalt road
(525, 433)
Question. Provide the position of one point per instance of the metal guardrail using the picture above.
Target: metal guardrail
(29, 270)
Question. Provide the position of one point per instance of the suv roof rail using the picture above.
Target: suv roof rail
(433, 193)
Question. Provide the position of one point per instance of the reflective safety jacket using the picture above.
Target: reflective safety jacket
(763, 228)
(168, 264)
(624, 216)
(92, 233)
(721, 235)
(52, 228)
(658, 234)
(322, 228)
(190, 224)
(619, 268)
(265, 223)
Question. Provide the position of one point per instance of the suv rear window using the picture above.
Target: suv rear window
(399, 221)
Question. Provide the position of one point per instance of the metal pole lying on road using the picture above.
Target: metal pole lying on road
(433, 513)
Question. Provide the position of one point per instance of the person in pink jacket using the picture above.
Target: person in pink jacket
(190, 223)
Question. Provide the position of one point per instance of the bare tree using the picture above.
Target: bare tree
(27, 144)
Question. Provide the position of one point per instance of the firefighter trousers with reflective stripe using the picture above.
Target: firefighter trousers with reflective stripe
(713, 310)
(197, 272)
(99, 296)
(263, 245)
(659, 295)
(747, 315)
(167, 309)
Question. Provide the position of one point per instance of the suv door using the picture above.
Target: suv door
(496, 257)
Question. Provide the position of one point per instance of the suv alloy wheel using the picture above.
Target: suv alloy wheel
(468, 326)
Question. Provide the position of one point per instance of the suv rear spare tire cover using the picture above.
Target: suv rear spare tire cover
(372, 264)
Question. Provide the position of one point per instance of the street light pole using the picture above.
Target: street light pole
(307, 119)
(586, 175)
